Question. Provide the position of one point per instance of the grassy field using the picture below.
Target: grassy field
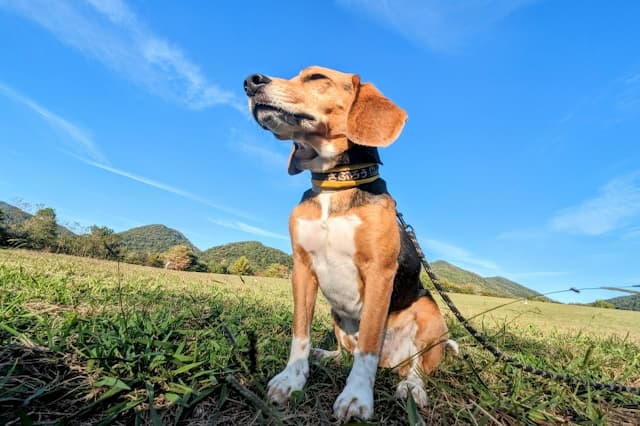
(92, 342)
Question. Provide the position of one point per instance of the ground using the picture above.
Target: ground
(84, 341)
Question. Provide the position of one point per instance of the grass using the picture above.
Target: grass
(84, 341)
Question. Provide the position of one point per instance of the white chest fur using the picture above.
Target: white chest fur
(330, 242)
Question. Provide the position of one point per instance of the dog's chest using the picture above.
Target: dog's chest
(330, 242)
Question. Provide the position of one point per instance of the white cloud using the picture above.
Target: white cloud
(441, 25)
(164, 187)
(82, 143)
(241, 226)
(617, 203)
(270, 158)
(109, 31)
(260, 150)
(461, 257)
(627, 99)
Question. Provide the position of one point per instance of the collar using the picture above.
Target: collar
(345, 177)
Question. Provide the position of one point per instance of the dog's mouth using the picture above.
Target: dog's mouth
(273, 118)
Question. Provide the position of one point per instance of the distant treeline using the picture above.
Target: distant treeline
(41, 231)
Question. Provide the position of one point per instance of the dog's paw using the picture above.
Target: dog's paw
(416, 387)
(291, 379)
(451, 346)
(354, 401)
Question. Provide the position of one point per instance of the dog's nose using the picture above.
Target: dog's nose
(254, 83)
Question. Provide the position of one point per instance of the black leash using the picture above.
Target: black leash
(497, 353)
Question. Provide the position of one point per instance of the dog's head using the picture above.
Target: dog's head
(324, 112)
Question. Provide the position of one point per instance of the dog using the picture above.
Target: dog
(346, 239)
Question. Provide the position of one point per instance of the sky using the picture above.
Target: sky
(520, 158)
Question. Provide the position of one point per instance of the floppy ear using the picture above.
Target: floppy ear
(373, 119)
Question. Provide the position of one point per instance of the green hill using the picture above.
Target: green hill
(462, 281)
(14, 216)
(629, 303)
(258, 254)
(513, 288)
(154, 239)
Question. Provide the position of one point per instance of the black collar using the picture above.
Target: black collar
(345, 177)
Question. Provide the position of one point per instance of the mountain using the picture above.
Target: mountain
(154, 239)
(14, 216)
(459, 280)
(259, 255)
(513, 288)
(629, 303)
(159, 238)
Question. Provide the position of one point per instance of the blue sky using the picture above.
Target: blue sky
(521, 156)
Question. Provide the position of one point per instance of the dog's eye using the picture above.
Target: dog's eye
(315, 77)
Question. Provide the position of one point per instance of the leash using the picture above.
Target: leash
(495, 351)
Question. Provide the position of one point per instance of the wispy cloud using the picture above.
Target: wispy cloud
(441, 25)
(617, 203)
(632, 233)
(81, 141)
(241, 226)
(109, 31)
(627, 99)
(270, 158)
(165, 187)
(461, 257)
(259, 150)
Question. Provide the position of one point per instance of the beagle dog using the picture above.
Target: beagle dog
(346, 239)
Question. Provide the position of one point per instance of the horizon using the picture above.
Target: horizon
(31, 209)
(519, 158)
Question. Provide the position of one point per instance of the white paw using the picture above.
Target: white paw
(291, 379)
(451, 346)
(354, 401)
(416, 387)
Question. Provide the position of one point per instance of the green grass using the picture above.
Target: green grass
(81, 343)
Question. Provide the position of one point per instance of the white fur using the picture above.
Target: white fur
(357, 397)
(294, 375)
(452, 347)
(413, 383)
(330, 243)
(398, 344)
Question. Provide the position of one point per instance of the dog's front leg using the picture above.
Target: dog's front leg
(305, 290)
(357, 397)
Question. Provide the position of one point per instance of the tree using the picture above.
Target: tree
(155, 260)
(276, 270)
(180, 258)
(41, 229)
(241, 266)
(217, 268)
(135, 257)
(603, 304)
(102, 242)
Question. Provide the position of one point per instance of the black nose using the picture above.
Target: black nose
(254, 83)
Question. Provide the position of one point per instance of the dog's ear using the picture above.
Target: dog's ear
(293, 167)
(373, 119)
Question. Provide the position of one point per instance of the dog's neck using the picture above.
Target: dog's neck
(354, 167)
